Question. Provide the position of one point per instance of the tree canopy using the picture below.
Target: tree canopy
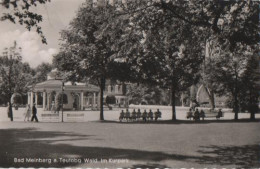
(162, 43)
(89, 46)
(14, 77)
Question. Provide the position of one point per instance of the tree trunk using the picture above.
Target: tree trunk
(251, 108)
(11, 110)
(252, 115)
(173, 103)
(212, 100)
(236, 108)
(102, 86)
(211, 96)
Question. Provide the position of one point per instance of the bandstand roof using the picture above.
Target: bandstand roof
(55, 85)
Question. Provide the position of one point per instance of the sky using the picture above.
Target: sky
(56, 17)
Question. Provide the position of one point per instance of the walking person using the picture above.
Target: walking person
(34, 112)
(27, 113)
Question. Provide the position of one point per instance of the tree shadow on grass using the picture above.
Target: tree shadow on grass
(31, 143)
(247, 156)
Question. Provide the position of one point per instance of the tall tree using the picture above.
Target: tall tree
(13, 77)
(89, 45)
(249, 97)
(165, 53)
(227, 73)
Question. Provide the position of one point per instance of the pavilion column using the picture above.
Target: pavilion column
(31, 99)
(48, 102)
(94, 99)
(98, 103)
(81, 100)
(28, 98)
(44, 100)
(36, 99)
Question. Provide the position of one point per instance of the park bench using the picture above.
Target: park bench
(136, 117)
(75, 117)
(207, 114)
(213, 114)
(50, 117)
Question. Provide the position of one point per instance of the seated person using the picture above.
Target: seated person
(122, 115)
(144, 115)
(150, 115)
(196, 114)
(220, 114)
(134, 115)
(189, 114)
(127, 115)
(157, 114)
(202, 114)
(138, 114)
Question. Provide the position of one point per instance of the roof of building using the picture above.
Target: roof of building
(56, 84)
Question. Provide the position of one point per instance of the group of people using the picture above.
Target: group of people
(139, 115)
(196, 115)
(28, 113)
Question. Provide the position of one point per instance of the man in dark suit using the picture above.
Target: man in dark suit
(34, 112)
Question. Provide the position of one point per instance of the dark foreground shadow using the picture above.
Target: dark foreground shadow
(31, 143)
(247, 156)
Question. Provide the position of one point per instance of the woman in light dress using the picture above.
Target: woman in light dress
(27, 113)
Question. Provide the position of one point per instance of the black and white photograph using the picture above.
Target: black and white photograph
(129, 84)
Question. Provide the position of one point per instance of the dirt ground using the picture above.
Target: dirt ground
(164, 144)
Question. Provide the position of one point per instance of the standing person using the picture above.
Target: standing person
(9, 111)
(34, 112)
(27, 113)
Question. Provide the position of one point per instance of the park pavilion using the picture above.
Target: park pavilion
(76, 96)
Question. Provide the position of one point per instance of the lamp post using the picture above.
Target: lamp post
(62, 93)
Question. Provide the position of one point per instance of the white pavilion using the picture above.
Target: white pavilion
(79, 96)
